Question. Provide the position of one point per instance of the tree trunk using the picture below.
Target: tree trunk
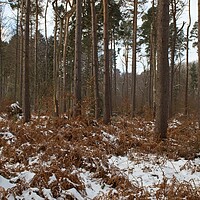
(1, 63)
(47, 45)
(36, 61)
(106, 114)
(65, 65)
(55, 69)
(95, 59)
(126, 79)
(152, 78)
(162, 95)
(173, 48)
(59, 64)
(199, 62)
(67, 17)
(133, 110)
(77, 64)
(27, 113)
(17, 55)
(187, 62)
(115, 75)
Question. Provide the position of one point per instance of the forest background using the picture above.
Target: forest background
(52, 65)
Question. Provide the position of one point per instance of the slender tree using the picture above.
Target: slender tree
(26, 93)
(187, 60)
(36, 58)
(199, 62)
(21, 49)
(55, 66)
(95, 58)
(134, 58)
(77, 64)
(177, 7)
(162, 98)
(67, 18)
(107, 110)
(46, 39)
(17, 54)
(1, 62)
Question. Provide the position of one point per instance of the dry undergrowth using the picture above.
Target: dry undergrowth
(57, 147)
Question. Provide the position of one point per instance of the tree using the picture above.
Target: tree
(199, 62)
(67, 18)
(134, 58)
(1, 59)
(162, 95)
(106, 114)
(194, 78)
(77, 61)
(95, 58)
(26, 94)
(148, 37)
(187, 61)
(177, 7)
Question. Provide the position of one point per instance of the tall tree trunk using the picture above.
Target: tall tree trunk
(115, 74)
(187, 61)
(1, 61)
(17, 55)
(162, 99)
(133, 110)
(55, 69)
(67, 17)
(65, 65)
(77, 64)
(26, 106)
(59, 63)
(47, 45)
(173, 47)
(199, 62)
(152, 81)
(106, 114)
(126, 79)
(95, 59)
(36, 60)
(21, 51)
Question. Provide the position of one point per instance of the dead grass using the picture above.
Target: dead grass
(80, 144)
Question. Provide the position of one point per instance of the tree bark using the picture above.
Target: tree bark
(173, 47)
(17, 55)
(36, 60)
(133, 110)
(1, 63)
(47, 44)
(95, 59)
(106, 114)
(21, 51)
(77, 64)
(199, 62)
(162, 99)
(27, 113)
(55, 69)
(187, 61)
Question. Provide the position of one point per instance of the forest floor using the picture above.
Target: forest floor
(56, 158)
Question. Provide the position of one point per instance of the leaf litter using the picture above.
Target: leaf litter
(57, 158)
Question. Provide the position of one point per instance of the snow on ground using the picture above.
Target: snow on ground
(153, 170)
(142, 170)
(9, 137)
(146, 173)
